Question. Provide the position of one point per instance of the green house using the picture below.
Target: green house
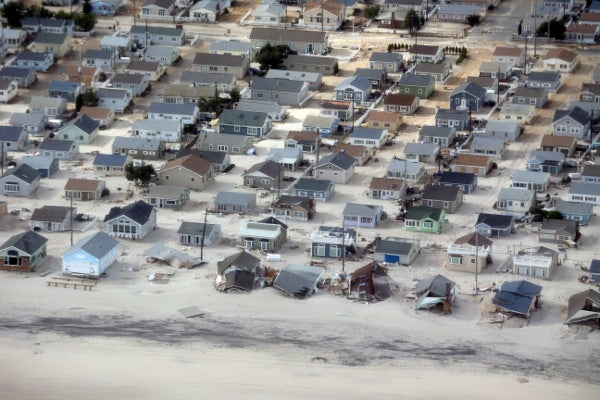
(424, 219)
(418, 85)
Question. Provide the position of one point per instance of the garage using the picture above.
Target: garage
(392, 259)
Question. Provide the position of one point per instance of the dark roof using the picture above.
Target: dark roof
(267, 167)
(424, 49)
(23, 172)
(53, 38)
(318, 185)
(422, 212)
(522, 91)
(28, 242)
(474, 239)
(56, 144)
(214, 157)
(139, 212)
(472, 88)
(411, 79)
(437, 131)
(129, 78)
(98, 54)
(10, 133)
(433, 286)
(582, 301)
(339, 159)
(560, 225)
(591, 170)
(16, 72)
(156, 30)
(444, 113)
(286, 200)
(298, 280)
(50, 214)
(457, 177)
(438, 192)
(516, 296)
(273, 221)
(545, 76)
(242, 260)
(86, 124)
(287, 35)
(576, 113)
(227, 60)
(389, 246)
(495, 220)
(310, 60)
(243, 118)
(194, 228)
(113, 160)
(276, 84)
(32, 56)
(595, 266)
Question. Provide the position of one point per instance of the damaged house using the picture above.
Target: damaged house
(299, 281)
(518, 297)
(435, 291)
(370, 283)
(238, 272)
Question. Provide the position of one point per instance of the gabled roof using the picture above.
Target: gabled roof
(170, 108)
(28, 242)
(474, 239)
(424, 149)
(457, 177)
(560, 225)
(50, 214)
(422, 212)
(441, 193)
(574, 207)
(235, 198)
(227, 60)
(293, 75)
(410, 79)
(286, 201)
(592, 189)
(85, 124)
(121, 142)
(268, 167)
(255, 119)
(444, 113)
(401, 165)
(298, 280)
(386, 183)
(33, 56)
(320, 121)
(317, 185)
(96, 112)
(400, 99)
(303, 137)
(168, 192)
(97, 245)
(83, 185)
(308, 59)
(135, 79)
(57, 144)
(543, 156)
(544, 76)
(371, 74)
(579, 306)
(362, 209)
(471, 88)
(591, 170)
(46, 22)
(213, 157)
(112, 93)
(195, 228)
(356, 82)
(287, 35)
(113, 160)
(385, 116)
(206, 78)
(140, 212)
(159, 3)
(40, 162)
(232, 45)
(16, 72)
(277, 84)
(496, 125)
(424, 49)
(523, 91)
(395, 246)
(379, 56)
(339, 159)
(98, 54)
(63, 86)
(593, 88)
(434, 286)
(561, 54)
(576, 113)
(46, 101)
(437, 131)
(516, 296)
(495, 220)
(50, 38)
(353, 150)
(459, 9)
(24, 172)
(191, 162)
(582, 28)
(517, 194)
(429, 68)
(10, 133)
(367, 133)
(491, 143)
(530, 176)
(242, 260)
(558, 141)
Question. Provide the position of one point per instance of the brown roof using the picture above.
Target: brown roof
(508, 51)
(590, 17)
(384, 116)
(562, 54)
(399, 99)
(95, 112)
(300, 136)
(591, 170)
(353, 150)
(192, 162)
(336, 104)
(74, 70)
(332, 6)
(82, 185)
(582, 28)
(472, 160)
(474, 239)
(386, 184)
(558, 141)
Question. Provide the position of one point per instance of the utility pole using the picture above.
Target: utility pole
(2, 157)
(203, 234)
(476, 261)
(134, 16)
(71, 212)
(535, 28)
(322, 18)
(343, 244)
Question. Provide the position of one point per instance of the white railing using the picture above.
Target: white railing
(464, 250)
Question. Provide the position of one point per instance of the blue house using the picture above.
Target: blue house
(105, 7)
(317, 189)
(494, 225)
(469, 96)
(464, 180)
(356, 89)
(575, 211)
(40, 62)
(66, 89)
(327, 241)
(247, 123)
(91, 256)
(46, 165)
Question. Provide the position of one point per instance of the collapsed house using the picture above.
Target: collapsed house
(518, 297)
(299, 280)
(584, 308)
(434, 292)
(370, 283)
(238, 272)
(170, 256)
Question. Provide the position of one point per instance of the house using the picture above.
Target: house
(311, 63)
(575, 122)
(235, 202)
(584, 307)
(514, 55)
(546, 161)
(103, 60)
(47, 166)
(584, 193)
(306, 142)
(519, 113)
(519, 297)
(162, 54)
(190, 171)
(84, 189)
(105, 7)
(405, 104)
(539, 262)
(219, 161)
(157, 129)
(448, 198)
(168, 197)
(20, 181)
(158, 10)
(413, 172)
(239, 272)
(246, 123)
(52, 218)
(198, 233)
(372, 138)
(491, 147)
(64, 89)
(207, 11)
(424, 219)
(64, 150)
(269, 14)
(262, 236)
(465, 181)
(342, 110)
(558, 230)
(369, 283)
(363, 215)
(327, 241)
(82, 130)
(325, 15)
(8, 90)
(390, 62)
(458, 13)
(496, 70)
(90, 256)
(560, 60)
(266, 175)
(575, 211)
(117, 44)
(516, 200)
(582, 33)
(23, 252)
(469, 252)
(34, 25)
(184, 113)
(323, 125)
(508, 131)
(102, 115)
(296, 208)
(133, 221)
(421, 86)
(422, 53)
(13, 37)
(299, 281)
(230, 144)
(563, 144)
(360, 153)
(590, 173)
(336, 167)
(289, 159)
(537, 97)
(594, 268)
(138, 148)
(590, 92)
(316, 189)
(494, 225)
(40, 62)
(136, 83)
(458, 119)
(48, 106)
(113, 98)
(276, 112)
(549, 80)
(531, 180)
(489, 84)
(468, 96)
(314, 79)
(152, 70)
(221, 63)
(441, 136)
(285, 92)
(84, 75)
(355, 88)
(179, 93)
(439, 72)
(302, 41)
(57, 43)
(390, 121)
(24, 77)
(148, 34)
(387, 189)
(421, 152)
(110, 164)
(378, 77)
(479, 165)
(12, 138)
(395, 250)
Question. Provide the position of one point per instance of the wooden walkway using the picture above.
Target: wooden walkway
(75, 283)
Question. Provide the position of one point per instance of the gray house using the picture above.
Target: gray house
(314, 79)
(442, 136)
(317, 189)
(64, 150)
(390, 62)
(491, 147)
(276, 112)
(335, 167)
(40, 62)
(24, 77)
(262, 236)
(363, 215)
(267, 175)
(240, 271)
(52, 218)
(138, 148)
(494, 225)
(134, 221)
(198, 233)
(21, 181)
(165, 55)
(285, 92)
(12, 138)
(421, 152)
(546, 161)
(146, 34)
(591, 173)
(136, 83)
(48, 106)
(47, 166)
(101, 59)
(507, 130)
(447, 198)
(395, 250)
(413, 172)
(222, 82)
(466, 181)
(328, 241)
(231, 144)
(584, 193)
(168, 197)
(469, 96)
(246, 123)
(32, 123)
(439, 72)
(457, 119)
(355, 88)
(235, 202)
(309, 63)
(575, 122)
(537, 97)
(302, 41)
(221, 63)
(575, 211)
(66, 89)
(549, 80)
(114, 98)
(531, 180)
(515, 200)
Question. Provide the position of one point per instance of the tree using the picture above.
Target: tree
(412, 21)
(36, 11)
(372, 11)
(86, 22)
(557, 29)
(211, 104)
(235, 95)
(86, 98)
(141, 174)
(270, 56)
(87, 7)
(473, 19)
(14, 12)
(520, 28)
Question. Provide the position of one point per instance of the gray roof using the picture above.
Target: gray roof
(293, 75)
(357, 82)
(287, 35)
(596, 75)
(195, 228)
(113, 160)
(425, 149)
(298, 280)
(437, 131)
(444, 113)
(32, 56)
(225, 139)
(10, 133)
(206, 77)
(28, 242)
(111, 93)
(170, 108)
(242, 260)
(574, 207)
(243, 118)
(38, 162)
(51, 38)
(227, 60)
(56, 144)
(268, 167)
(487, 143)
(129, 78)
(23, 172)
(156, 124)
(410, 79)
(231, 45)
(372, 74)
(258, 105)
(63, 86)
(319, 121)
(97, 245)
(576, 113)
(543, 155)
(167, 192)
(514, 108)
(98, 54)
(367, 133)
(114, 41)
(584, 188)
(516, 296)
(494, 66)
(16, 72)
(121, 142)
(459, 9)
(278, 85)
(502, 126)
(529, 92)
(85, 123)
(400, 165)
(235, 198)
(352, 209)
(156, 50)
(46, 101)
(310, 60)
(429, 68)
(471, 88)
(391, 246)
(50, 214)
(543, 76)
(276, 153)
(433, 286)
(156, 30)
(516, 194)
(148, 66)
(424, 49)
(339, 159)
(379, 56)
(440, 192)
(530, 176)
(46, 22)
(317, 185)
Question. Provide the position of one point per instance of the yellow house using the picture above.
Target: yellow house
(392, 121)
(57, 43)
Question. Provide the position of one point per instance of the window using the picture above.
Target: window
(411, 223)
(456, 260)
(166, 177)
(335, 251)
(11, 187)
(320, 250)
(428, 224)
(222, 147)
(264, 245)
(236, 128)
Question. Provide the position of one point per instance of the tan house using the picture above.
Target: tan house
(563, 144)
(104, 116)
(561, 60)
(326, 15)
(191, 171)
(392, 121)
(153, 70)
(86, 75)
(360, 153)
(405, 104)
(473, 163)
(512, 55)
(469, 252)
(57, 43)
(387, 189)
(521, 113)
(84, 189)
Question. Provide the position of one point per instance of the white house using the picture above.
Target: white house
(163, 130)
(8, 90)
(91, 256)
